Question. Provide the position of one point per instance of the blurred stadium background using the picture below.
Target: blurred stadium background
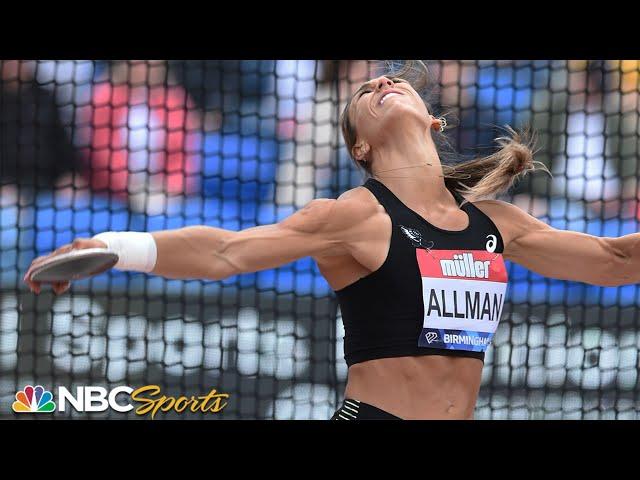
(90, 146)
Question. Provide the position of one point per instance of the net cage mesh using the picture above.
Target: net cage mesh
(93, 146)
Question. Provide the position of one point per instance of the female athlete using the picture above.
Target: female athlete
(415, 256)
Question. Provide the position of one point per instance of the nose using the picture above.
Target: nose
(383, 82)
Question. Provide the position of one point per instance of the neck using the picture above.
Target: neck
(415, 170)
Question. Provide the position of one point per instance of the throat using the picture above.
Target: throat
(431, 192)
(453, 219)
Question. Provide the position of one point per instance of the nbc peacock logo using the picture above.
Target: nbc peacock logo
(33, 400)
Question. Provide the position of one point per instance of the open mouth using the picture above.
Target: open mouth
(387, 95)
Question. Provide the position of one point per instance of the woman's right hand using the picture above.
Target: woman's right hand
(59, 287)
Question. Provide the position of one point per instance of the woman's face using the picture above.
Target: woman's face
(382, 105)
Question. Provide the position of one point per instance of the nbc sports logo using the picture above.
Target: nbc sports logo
(99, 399)
(33, 400)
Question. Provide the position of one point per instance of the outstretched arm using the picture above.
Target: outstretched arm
(324, 227)
(564, 254)
(214, 253)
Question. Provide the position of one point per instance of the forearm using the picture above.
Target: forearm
(207, 252)
(193, 252)
(214, 253)
(577, 256)
(565, 254)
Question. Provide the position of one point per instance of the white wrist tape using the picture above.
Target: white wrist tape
(137, 251)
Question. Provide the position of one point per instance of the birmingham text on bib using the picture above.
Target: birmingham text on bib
(463, 293)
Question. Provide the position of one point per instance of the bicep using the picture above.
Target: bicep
(560, 254)
(268, 246)
(313, 230)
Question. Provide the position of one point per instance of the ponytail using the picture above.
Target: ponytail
(481, 178)
(490, 176)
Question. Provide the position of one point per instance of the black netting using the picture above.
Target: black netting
(91, 146)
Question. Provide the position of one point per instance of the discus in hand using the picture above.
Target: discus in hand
(74, 265)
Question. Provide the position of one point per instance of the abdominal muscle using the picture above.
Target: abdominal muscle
(422, 387)
(430, 387)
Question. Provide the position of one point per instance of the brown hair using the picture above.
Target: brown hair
(479, 178)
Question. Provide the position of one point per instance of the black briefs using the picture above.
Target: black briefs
(355, 410)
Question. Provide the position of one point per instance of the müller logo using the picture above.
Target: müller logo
(464, 265)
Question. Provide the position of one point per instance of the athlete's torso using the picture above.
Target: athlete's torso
(420, 314)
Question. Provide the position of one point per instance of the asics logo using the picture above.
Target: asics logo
(491, 243)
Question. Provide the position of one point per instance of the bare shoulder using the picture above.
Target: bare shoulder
(510, 219)
(360, 202)
(499, 208)
(325, 214)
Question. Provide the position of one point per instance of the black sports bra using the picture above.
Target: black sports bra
(439, 292)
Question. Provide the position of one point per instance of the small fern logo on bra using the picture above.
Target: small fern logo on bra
(415, 236)
(33, 400)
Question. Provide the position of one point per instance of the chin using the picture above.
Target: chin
(401, 113)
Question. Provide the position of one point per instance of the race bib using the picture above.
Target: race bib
(463, 293)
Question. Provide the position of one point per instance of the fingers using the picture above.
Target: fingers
(57, 287)
(35, 287)
(80, 243)
(60, 287)
(63, 249)
(39, 260)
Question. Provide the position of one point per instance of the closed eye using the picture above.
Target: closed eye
(394, 80)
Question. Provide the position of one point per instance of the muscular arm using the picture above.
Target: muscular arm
(563, 254)
(322, 227)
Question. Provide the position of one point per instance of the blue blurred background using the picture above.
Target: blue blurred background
(258, 142)
(90, 146)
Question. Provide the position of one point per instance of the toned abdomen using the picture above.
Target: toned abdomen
(423, 387)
